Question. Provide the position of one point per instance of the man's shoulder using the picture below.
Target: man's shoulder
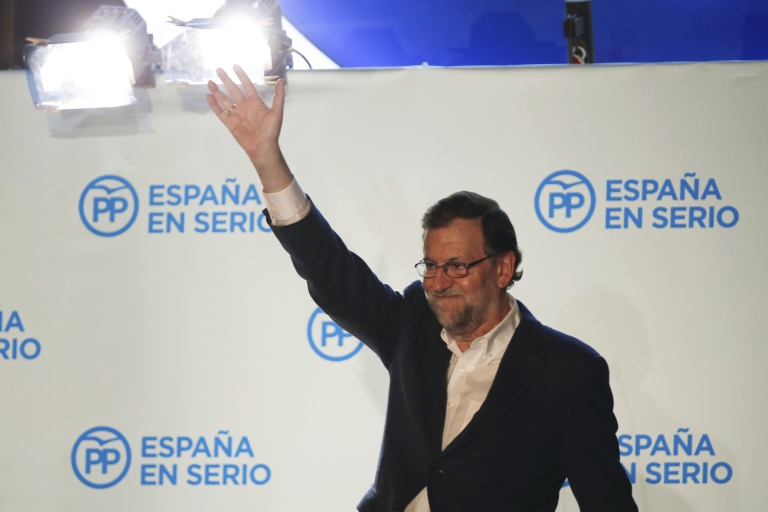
(415, 302)
(570, 345)
(561, 346)
(415, 291)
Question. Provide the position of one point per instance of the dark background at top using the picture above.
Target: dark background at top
(367, 33)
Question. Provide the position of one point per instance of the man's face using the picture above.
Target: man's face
(460, 304)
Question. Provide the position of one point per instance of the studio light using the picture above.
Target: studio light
(96, 68)
(244, 32)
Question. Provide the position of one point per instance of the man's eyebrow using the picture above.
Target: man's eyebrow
(453, 259)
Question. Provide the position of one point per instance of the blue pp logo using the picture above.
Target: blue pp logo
(101, 457)
(329, 340)
(565, 201)
(109, 205)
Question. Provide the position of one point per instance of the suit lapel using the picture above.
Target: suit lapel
(519, 367)
(434, 365)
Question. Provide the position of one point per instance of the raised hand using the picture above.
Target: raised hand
(255, 126)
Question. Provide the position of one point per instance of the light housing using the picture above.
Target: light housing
(244, 32)
(96, 68)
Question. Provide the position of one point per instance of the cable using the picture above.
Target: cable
(580, 58)
(297, 52)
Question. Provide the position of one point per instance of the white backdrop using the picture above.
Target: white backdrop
(158, 333)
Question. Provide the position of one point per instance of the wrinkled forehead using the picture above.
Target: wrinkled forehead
(459, 240)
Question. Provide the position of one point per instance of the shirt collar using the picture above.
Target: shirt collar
(495, 340)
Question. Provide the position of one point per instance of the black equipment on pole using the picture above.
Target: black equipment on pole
(577, 27)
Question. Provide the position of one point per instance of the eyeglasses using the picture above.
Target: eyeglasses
(451, 269)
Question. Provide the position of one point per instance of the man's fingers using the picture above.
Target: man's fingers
(279, 102)
(232, 88)
(215, 106)
(231, 122)
(248, 88)
(222, 99)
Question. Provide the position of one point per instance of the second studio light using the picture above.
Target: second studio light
(244, 32)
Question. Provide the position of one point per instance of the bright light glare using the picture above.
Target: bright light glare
(194, 56)
(89, 74)
(240, 42)
(156, 12)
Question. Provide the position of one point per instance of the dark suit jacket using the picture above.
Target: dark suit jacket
(548, 415)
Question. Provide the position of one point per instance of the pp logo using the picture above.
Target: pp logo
(329, 340)
(101, 457)
(109, 205)
(565, 201)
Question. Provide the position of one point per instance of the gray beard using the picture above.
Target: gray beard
(470, 316)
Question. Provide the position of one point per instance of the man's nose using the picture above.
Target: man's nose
(441, 281)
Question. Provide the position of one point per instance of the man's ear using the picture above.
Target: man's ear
(506, 269)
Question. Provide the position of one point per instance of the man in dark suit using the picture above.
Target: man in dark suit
(489, 410)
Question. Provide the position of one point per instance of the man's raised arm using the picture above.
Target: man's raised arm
(255, 126)
(338, 280)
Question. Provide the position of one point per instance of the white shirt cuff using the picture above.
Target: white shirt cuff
(287, 206)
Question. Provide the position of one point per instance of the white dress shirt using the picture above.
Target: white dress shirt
(470, 376)
(288, 206)
(470, 373)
